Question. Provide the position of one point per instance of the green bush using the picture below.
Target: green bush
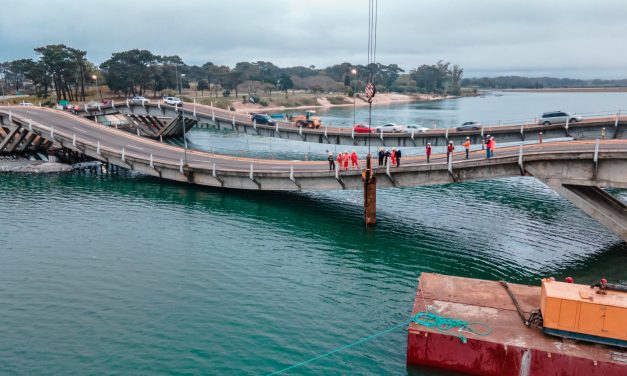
(263, 103)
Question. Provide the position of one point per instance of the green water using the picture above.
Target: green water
(125, 274)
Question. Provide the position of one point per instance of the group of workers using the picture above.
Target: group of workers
(343, 159)
(395, 155)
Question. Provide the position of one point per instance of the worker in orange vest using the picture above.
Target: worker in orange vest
(449, 150)
(428, 151)
(467, 146)
(346, 158)
(393, 156)
(354, 161)
(492, 146)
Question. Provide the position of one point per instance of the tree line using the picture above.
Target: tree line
(65, 72)
(518, 82)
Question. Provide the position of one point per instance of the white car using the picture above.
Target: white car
(556, 117)
(26, 104)
(174, 101)
(415, 128)
(140, 100)
(389, 127)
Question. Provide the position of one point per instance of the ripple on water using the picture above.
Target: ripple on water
(127, 274)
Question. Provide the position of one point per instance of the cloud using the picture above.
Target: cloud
(577, 37)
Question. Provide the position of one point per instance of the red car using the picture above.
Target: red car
(362, 128)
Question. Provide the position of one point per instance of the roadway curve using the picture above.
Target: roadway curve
(88, 133)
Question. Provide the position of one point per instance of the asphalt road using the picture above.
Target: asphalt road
(90, 132)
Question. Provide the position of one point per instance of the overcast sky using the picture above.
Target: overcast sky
(563, 38)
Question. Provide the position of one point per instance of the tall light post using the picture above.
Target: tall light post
(184, 126)
(354, 72)
(94, 77)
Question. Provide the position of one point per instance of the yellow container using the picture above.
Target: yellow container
(579, 309)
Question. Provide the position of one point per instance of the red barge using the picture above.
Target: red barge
(512, 348)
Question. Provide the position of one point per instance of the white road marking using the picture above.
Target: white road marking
(135, 147)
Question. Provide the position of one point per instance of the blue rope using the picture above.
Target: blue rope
(427, 319)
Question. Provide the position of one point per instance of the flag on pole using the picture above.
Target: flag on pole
(370, 91)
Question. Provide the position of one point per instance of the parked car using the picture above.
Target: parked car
(362, 128)
(389, 127)
(263, 119)
(26, 104)
(470, 126)
(556, 117)
(174, 101)
(140, 100)
(415, 128)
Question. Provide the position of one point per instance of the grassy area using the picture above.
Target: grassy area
(337, 100)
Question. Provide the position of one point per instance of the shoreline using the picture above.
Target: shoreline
(381, 99)
(618, 89)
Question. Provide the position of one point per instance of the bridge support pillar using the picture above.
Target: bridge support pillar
(370, 194)
(597, 203)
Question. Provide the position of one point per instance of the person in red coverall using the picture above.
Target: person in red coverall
(354, 161)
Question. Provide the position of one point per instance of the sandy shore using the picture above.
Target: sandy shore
(379, 99)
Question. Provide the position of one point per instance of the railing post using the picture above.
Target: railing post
(127, 105)
(450, 163)
(596, 151)
(213, 170)
(482, 131)
(337, 173)
(616, 121)
(300, 130)
(123, 156)
(161, 138)
(194, 107)
(381, 135)
(52, 133)
(353, 133)
(213, 115)
(181, 166)
(99, 108)
(540, 137)
(251, 176)
(412, 134)
(30, 125)
(85, 107)
(151, 162)
(112, 104)
(159, 104)
(137, 131)
(325, 131)
(98, 148)
(255, 124)
(520, 158)
(567, 121)
(10, 116)
(96, 118)
(446, 135)
(603, 133)
(276, 128)
(292, 173)
(234, 122)
(387, 169)
(74, 139)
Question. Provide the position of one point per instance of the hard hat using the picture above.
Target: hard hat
(569, 280)
(467, 138)
(603, 281)
(428, 143)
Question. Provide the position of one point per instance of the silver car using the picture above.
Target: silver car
(470, 126)
(557, 117)
(415, 128)
(389, 127)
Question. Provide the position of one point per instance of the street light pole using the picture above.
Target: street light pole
(354, 72)
(184, 126)
(97, 87)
